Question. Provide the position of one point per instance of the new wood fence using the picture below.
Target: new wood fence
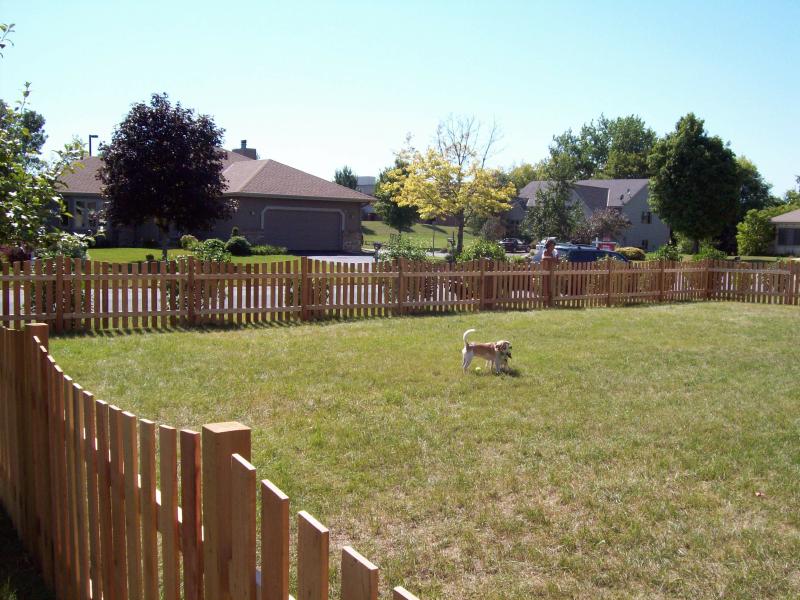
(73, 295)
(116, 507)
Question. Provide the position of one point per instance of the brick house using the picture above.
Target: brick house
(277, 204)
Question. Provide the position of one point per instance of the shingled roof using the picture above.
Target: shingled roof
(596, 193)
(243, 175)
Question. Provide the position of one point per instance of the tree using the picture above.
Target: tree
(450, 179)
(554, 214)
(603, 224)
(608, 149)
(164, 164)
(696, 182)
(755, 233)
(754, 194)
(30, 204)
(522, 174)
(389, 184)
(346, 177)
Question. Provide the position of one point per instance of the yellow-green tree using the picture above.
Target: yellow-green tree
(450, 179)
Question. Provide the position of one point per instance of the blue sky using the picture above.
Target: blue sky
(320, 84)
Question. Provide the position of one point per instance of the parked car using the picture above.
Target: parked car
(514, 245)
(578, 253)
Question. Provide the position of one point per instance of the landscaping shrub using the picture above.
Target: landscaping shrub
(150, 257)
(665, 252)
(188, 242)
(632, 253)
(707, 251)
(212, 249)
(70, 245)
(238, 246)
(402, 247)
(482, 248)
(267, 250)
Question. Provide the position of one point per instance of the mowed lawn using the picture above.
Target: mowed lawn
(126, 255)
(643, 452)
(421, 233)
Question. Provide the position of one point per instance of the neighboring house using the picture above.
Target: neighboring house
(277, 205)
(787, 232)
(366, 185)
(629, 196)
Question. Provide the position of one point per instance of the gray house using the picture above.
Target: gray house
(787, 232)
(276, 204)
(629, 196)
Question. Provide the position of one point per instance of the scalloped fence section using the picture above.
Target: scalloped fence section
(74, 295)
(115, 507)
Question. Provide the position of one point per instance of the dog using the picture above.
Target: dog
(495, 353)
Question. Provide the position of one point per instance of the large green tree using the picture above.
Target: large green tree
(696, 182)
(164, 165)
(605, 149)
(754, 194)
(554, 213)
(389, 185)
(346, 177)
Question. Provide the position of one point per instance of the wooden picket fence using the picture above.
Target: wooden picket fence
(74, 295)
(115, 507)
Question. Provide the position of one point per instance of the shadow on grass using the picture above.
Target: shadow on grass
(19, 578)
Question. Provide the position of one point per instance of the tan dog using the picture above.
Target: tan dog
(495, 353)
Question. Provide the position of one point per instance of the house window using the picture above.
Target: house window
(788, 237)
(82, 214)
(647, 217)
(645, 244)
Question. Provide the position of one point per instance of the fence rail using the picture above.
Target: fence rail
(73, 295)
(78, 478)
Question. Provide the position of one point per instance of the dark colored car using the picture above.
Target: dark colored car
(514, 245)
(590, 255)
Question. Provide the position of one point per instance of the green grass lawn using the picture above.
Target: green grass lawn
(621, 459)
(126, 255)
(377, 231)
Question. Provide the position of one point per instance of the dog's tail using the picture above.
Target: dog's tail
(466, 333)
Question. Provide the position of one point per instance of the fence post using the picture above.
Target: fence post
(401, 593)
(274, 542)
(661, 281)
(304, 289)
(609, 298)
(190, 295)
(359, 576)
(482, 287)
(59, 294)
(548, 265)
(220, 442)
(312, 558)
(401, 286)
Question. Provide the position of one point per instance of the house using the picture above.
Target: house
(787, 232)
(276, 204)
(366, 185)
(629, 196)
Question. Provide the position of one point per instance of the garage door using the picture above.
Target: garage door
(304, 230)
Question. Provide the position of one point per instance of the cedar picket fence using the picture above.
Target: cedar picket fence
(74, 295)
(78, 479)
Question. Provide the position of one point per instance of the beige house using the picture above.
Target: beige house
(629, 196)
(276, 204)
(787, 233)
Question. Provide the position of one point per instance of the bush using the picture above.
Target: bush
(212, 249)
(70, 245)
(188, 242)
(402, 247)
(632, 253)
(707, 251)
(665, 252)
(268, 250)
(482, 248)
(150, 257)
(238, 246)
